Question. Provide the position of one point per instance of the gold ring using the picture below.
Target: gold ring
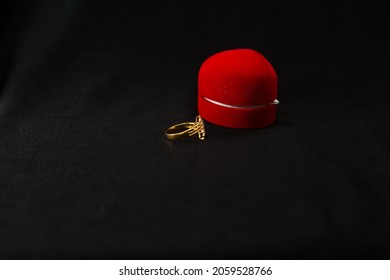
(187, 129)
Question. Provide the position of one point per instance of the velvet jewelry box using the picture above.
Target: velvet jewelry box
(237, 89)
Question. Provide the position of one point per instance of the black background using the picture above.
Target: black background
(87, 89)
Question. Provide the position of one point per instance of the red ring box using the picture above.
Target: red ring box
(238, 89)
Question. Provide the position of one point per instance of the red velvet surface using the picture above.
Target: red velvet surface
(242, 78)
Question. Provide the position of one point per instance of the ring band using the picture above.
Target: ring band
(187, 129)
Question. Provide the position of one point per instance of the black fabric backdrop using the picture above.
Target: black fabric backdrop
(87, 89)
